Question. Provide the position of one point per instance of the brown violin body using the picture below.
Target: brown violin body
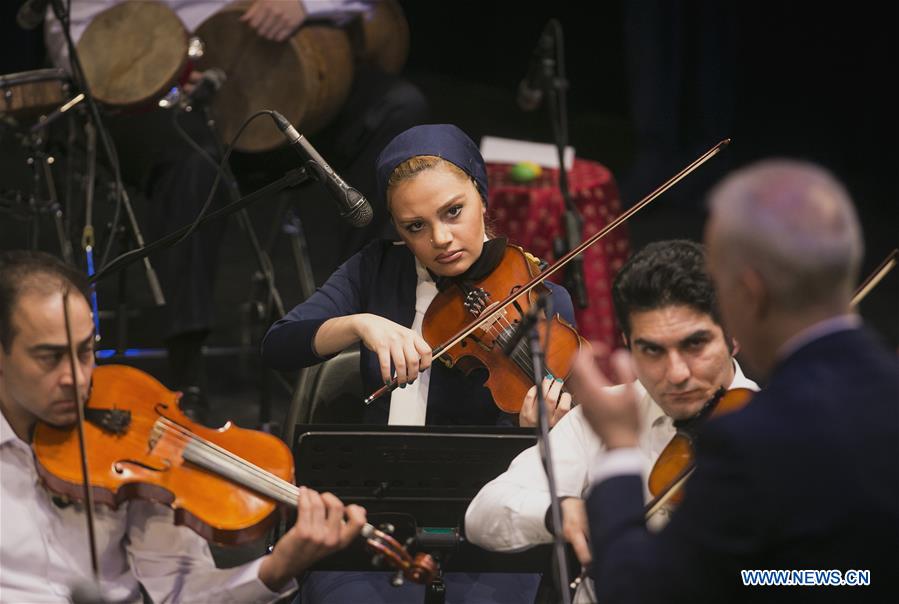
(146, 458)
(509, 377)
(678, 458)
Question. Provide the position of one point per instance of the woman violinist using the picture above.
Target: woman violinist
(434, 181)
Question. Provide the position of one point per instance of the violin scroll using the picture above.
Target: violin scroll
(422, 568)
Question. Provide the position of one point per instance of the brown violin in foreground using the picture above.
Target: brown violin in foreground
(224, 483)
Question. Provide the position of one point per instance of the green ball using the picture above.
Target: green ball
(524, 171)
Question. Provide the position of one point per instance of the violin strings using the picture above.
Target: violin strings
(186, 437)
(519, 355)
(277, 485)
(286, 488)
(288, 492)
(214, 451)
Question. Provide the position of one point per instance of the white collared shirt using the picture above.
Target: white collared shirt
(409, 405)
(44, 548)
(509, 512)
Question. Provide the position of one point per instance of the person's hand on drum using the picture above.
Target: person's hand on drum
(407, 350)
(558, 403)
(275, 19)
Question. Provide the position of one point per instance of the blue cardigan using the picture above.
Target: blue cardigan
(381, 280)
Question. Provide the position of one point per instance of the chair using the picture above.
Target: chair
(328, 393)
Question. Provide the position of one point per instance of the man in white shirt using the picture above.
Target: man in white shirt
(665, 304)
(43, 542)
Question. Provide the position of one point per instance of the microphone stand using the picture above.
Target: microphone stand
(266, 272)
(289, 179)
(537, 359)
(60, 10)
(555, 85)
(41, 163)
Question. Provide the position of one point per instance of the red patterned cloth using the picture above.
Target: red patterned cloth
(530, 215)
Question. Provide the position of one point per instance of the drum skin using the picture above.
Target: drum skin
(133, 52)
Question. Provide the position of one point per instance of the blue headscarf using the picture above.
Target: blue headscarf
(442, 140)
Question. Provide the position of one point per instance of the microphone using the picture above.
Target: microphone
(530, 89)
(32, 13)
(204, 89)
(353, 207)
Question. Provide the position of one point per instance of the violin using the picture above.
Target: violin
(678, 459)
(510, 376)
(224, 483)
(489, 319)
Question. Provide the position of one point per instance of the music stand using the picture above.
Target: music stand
(420, 480)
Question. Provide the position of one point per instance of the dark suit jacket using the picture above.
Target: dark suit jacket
(381, 279)
(805, 477)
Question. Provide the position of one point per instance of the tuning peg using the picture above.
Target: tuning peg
(398, 580)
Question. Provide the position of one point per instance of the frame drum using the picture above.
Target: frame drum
(306, 78)
(133, 52)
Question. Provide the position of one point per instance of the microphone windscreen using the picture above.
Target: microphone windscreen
(362, 213)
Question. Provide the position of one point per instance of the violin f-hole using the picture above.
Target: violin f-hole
(166, 465)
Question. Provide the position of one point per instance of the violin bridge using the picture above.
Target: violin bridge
(155, 435)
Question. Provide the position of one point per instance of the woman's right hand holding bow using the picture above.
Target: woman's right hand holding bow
(394, 344)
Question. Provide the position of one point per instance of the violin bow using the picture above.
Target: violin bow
(88, 493)
(871, 281)
(488, 315)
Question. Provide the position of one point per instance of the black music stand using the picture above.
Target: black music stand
(420, 480)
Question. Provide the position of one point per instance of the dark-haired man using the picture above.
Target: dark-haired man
(665, 305)
(43, 543)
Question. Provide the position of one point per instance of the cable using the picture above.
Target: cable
(123, 258)
(220, 170)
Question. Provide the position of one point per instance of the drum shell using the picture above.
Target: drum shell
(382, 37)
(307, 78)
(29, 94)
